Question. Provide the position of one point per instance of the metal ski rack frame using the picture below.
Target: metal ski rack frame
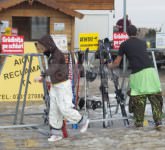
(85, 75)
(21, 124)
(106, 108)
(153, 50)
(119, 97)
(45, 87)
(26, 87)
(124, 118)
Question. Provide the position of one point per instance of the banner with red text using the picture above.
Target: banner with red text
(118, 38)
(12, 44)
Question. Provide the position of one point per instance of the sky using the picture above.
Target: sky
(142, 13)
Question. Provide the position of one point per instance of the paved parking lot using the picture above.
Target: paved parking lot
(96, 138)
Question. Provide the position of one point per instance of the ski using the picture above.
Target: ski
(104, 86)
(104, 56)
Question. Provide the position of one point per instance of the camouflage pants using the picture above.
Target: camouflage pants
(137, 106)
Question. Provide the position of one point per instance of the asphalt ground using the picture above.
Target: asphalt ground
(116, 137)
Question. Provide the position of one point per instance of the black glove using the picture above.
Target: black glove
(47, 53)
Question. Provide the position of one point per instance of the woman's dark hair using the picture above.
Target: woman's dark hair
(131, 30)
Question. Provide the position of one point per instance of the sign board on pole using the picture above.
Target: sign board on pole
(118, 38)
(12, 44)
(88, 40)
(160, 40)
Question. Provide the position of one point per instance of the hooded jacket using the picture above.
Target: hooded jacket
(57, 67)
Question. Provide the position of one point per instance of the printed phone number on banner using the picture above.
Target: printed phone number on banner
(4, 97)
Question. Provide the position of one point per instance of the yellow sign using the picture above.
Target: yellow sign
(11, 74)
(88, 40)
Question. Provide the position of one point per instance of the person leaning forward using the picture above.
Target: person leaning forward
(144, 80)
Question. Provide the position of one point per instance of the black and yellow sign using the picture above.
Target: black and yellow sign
(88, 40)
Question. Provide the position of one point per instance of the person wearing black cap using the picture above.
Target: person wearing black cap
(61, 106)
(144, 80)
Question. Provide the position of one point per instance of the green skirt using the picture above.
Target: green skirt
(145, 81)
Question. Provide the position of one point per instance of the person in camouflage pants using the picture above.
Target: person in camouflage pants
(137, 106)
(144, 80)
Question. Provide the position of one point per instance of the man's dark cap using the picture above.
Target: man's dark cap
(131, 30)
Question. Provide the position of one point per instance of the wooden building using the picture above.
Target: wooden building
(35, 18)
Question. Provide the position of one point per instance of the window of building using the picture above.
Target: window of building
(32, 28)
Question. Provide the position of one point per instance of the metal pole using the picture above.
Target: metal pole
(85, 81)
(26, 89)
(20, 90)
(124, 14)
(154, 61)
(124, 57)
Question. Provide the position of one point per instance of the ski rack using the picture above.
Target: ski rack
(21, 124)
(26, 87)
(106, 106)
(118, 90)
(15, 120)
(105, 48)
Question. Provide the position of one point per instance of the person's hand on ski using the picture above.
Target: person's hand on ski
(115, 63)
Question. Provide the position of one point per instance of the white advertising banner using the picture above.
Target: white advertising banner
(160, 40)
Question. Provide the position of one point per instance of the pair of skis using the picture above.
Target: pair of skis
(104, 55)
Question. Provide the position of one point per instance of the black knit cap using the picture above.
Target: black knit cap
(132, 30)
(48, 42)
